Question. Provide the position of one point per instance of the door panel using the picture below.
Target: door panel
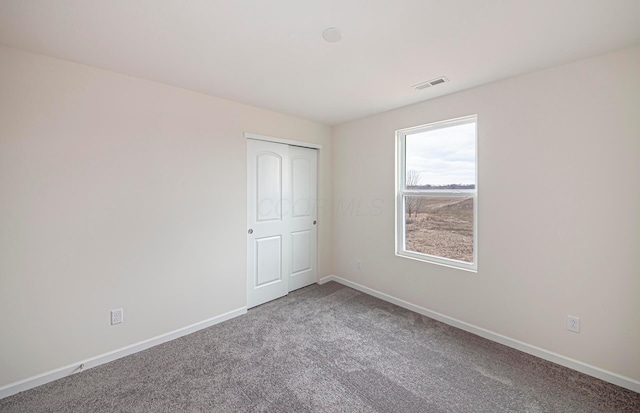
(268, 186)
(268, 260)
(301, 256)
(301, 194)
(268, 240)
(304, 188)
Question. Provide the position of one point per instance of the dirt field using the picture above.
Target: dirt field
(442, 227)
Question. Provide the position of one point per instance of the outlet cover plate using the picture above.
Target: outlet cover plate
(117, 316)
(573, 324)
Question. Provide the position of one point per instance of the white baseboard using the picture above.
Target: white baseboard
(56, 374)
(597, 372)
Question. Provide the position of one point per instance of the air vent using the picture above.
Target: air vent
(429, 83)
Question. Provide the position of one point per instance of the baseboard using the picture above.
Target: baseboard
(83, 365)
(597, 372)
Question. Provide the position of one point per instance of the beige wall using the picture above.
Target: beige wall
(559, 210)
(121, 192)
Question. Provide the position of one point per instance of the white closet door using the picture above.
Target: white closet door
(281, 218)
(268, 240)
(304, 235)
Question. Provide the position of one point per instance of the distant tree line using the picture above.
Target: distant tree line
(414, 203)
(448, 186)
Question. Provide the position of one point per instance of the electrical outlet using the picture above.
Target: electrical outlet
(117, 316)
(358, 265)
(573, 324)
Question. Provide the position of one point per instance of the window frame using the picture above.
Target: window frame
(402, 192)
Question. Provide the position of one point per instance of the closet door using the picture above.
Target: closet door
(281, 218)
(304, 235)
(268, 238)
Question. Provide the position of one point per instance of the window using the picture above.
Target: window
(437, 194)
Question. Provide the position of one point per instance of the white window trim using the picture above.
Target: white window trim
(401, 192)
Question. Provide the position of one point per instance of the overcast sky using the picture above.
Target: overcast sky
(443, 156)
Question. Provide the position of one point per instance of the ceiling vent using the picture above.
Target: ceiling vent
(429, 83)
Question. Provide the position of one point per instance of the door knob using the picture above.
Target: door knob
(250, 231)
(314, 222)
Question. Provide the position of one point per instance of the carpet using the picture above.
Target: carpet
(327, 348)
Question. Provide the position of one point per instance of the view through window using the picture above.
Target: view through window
(437, 193)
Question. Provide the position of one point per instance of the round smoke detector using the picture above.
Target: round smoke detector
(332, 35)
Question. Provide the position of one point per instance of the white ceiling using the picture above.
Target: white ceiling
(270, 53)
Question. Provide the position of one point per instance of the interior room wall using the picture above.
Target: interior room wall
(559, 210)
(118, 192)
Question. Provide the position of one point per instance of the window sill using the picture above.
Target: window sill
(458, 265)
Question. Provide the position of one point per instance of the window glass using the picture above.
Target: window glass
(442, 157)
(437, 194)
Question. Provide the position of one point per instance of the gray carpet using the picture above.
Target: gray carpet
(327, 349)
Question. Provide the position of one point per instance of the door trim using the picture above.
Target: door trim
(258, 137)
